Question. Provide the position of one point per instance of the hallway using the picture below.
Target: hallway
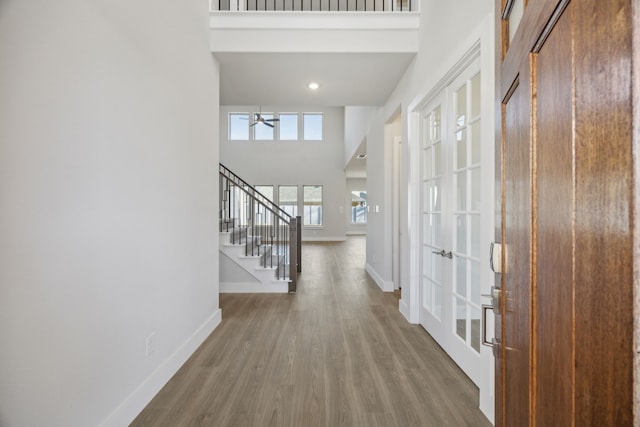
(337, 353)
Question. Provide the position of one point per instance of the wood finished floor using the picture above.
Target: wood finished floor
(337, 353)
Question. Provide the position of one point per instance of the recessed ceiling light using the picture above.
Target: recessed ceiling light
(313, 86)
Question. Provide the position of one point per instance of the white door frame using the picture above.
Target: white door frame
(396, 188)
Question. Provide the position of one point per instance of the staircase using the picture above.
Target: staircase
(259, 242)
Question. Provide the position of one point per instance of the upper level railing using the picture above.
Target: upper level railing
(265, 230)
(315, 5)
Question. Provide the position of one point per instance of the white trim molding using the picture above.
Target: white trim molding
(128, 410)
(386, 286)
(404, 310)
(323, 239)
(276, 287)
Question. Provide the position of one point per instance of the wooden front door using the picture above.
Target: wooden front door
(565, 354)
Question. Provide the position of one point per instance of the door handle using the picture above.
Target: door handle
(495, 295)
(491, 343)
(495, 257)
(443, 253)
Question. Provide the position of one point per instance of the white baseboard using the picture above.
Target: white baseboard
(357, 233)
(384, 285)
(323, 239)
(277, 287)
(128, 410)
(404, 310)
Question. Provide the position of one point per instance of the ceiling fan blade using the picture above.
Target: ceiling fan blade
(253, 124)
(271, 120)
(243, 118)
(268, 124)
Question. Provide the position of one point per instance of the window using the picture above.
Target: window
(266, 191)
(312, 127)
(262, 131)
(239, 126)
(288, 199)
(312, 204)
(288, 127)
(358, 207)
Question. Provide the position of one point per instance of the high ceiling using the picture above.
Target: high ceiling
(345, 79)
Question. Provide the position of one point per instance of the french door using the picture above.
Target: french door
(457, 222)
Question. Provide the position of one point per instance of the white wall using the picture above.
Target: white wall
(295, 163)
(354, 184)
(232, 272)
(358, 119)
(108, 185)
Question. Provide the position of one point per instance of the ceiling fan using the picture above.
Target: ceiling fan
(260, 119)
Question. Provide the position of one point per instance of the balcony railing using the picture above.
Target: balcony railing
(315, 5)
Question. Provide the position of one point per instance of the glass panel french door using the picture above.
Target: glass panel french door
(455, 211)
(432, 213)
(467, 214)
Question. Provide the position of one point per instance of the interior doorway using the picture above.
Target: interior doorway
(393, 140)
(397, 203)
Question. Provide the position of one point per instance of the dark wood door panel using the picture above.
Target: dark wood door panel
(604, 257)
(553, 284)
(516, 348)
(537, 15)
(564, 88)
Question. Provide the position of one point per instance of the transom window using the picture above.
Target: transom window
(239, 126)
(261, 130)
(288, 126)
(276, 126)
(312, 126)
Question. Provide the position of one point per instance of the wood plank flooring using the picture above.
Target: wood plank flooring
(337, 353)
